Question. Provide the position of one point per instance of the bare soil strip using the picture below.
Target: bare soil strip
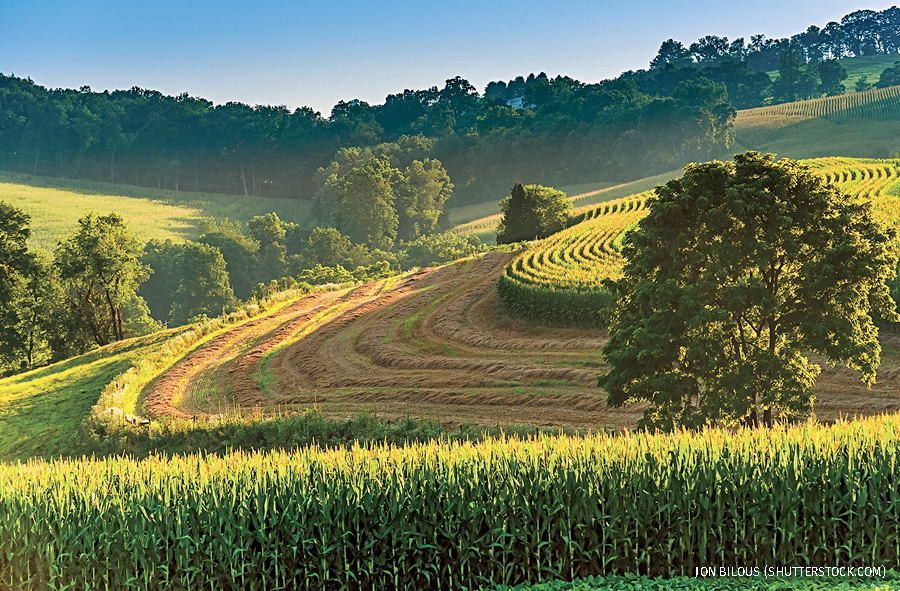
(436, 345)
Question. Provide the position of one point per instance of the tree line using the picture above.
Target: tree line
(537, 129)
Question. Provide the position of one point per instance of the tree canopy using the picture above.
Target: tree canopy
(532, 211)
(739, 270)
(101, 266)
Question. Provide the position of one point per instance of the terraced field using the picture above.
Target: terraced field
(437, 344)
(428, 345)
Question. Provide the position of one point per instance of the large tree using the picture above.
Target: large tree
(365, 210)
(203, 286)
(738, 272)
(100, 265)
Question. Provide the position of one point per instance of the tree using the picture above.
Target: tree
(426, 187)
(100, 265)
(832, 75)
(239, 251)
(532, 211)
(158, 290)
(795, 82)
(203, 286)
(889, 77)
(17, 266)
(326, 247)
(365, 211)
(671, 53)
(737, 272)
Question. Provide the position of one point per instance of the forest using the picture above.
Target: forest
(533, 129)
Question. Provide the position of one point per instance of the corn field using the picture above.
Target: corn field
(559, 279)
(442, 516)
(877, 104)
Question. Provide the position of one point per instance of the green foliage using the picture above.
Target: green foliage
(832, 75)
(531, 212)
(326, 246)
(889, 77)
(438, 249)
(203, 286)
(631, 582)
(158, 291)
(366, 211)
(739, 270)
(15, 264)
(238, 250)
(460, 515)
(100, 265)
(795, 81)
(421, 201)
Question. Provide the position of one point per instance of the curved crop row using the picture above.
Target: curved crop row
(875, 104)
(560, 279)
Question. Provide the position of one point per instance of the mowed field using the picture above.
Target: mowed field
(55, 205)
(437, 345)
(431, 345)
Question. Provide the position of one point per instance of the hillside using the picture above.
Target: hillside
(485, 226)
(861, 125)
(431, 345)
(56, 204)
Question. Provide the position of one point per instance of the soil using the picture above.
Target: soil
(435, 345)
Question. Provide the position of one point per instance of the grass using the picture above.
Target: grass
(56, 204)
(41, 410)
(870, 66)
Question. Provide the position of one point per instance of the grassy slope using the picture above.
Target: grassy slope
(870, 66)
(56, 204)
(40, 410)
(860, 125)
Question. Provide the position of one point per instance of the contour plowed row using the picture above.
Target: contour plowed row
(429, 345)
(175, 392)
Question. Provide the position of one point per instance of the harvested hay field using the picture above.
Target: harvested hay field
(433, 345)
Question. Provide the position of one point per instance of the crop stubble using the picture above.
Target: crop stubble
(435, 345)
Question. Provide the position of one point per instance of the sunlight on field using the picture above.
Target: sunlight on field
(40, 411)
(55, 206)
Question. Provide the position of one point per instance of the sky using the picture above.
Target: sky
(315, 53)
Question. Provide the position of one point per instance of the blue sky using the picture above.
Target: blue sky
(317, 53)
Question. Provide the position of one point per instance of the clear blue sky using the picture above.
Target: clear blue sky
(316, 53)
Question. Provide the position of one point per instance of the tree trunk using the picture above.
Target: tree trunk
(244, 181)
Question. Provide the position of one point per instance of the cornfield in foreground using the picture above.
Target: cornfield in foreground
(439, 516)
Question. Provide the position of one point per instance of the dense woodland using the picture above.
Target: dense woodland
(535, 130)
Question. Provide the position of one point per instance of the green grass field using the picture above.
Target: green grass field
(56, 204)
(40, 410)
(870, 66)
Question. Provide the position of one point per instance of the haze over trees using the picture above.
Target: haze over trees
(737, 273)
(620, 129)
